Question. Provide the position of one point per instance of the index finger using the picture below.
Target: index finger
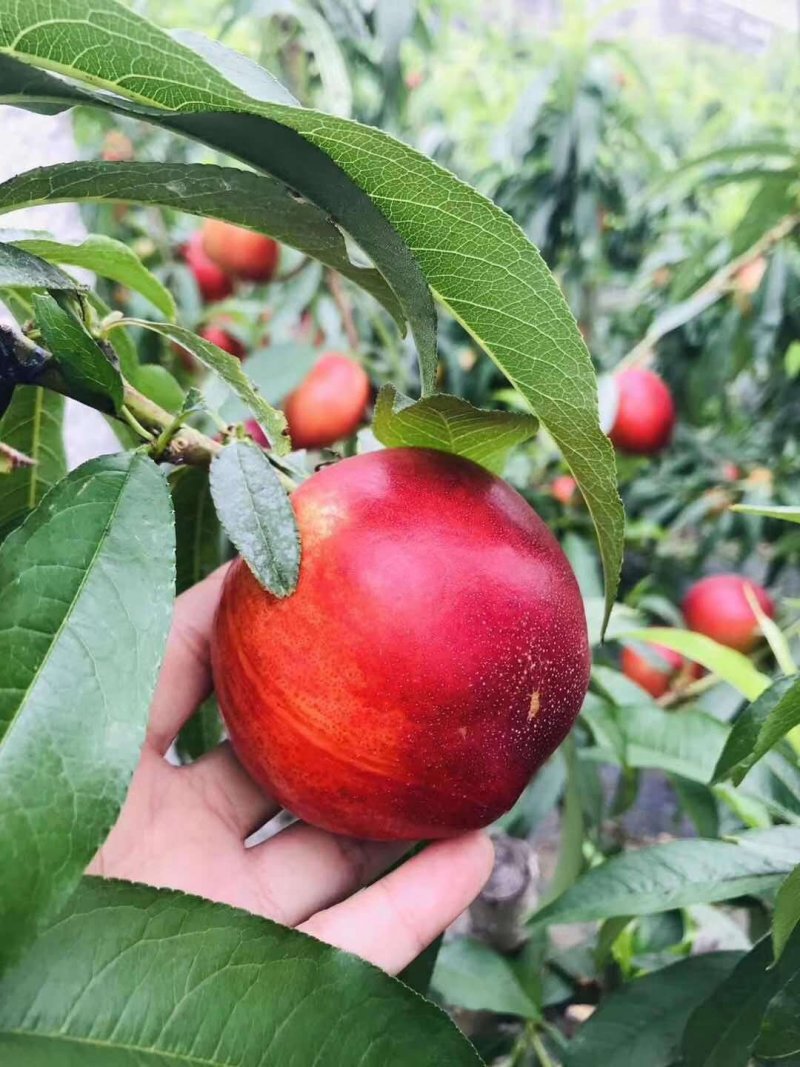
(185, 679)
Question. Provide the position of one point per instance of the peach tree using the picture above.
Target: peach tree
(90, 561)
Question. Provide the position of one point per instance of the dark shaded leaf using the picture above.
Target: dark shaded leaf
(787, 911)
(21, 270)
(759, 728)
(87, 586)
(471, 975)
(33, 424)
(197, 530)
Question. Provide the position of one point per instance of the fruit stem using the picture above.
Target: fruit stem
(345, 310)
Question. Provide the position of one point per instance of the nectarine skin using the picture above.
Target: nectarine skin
(718, 607)
(653, 678)
(213, 283)
(645, 415)
(433, 656)
(240, 252)
(329, 403)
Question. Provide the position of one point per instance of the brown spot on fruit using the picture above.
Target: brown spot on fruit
(533, 711)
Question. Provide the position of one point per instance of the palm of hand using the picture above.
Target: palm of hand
(185, 827)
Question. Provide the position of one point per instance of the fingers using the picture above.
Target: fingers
(308, 869)
(226, 789)
(185, 678)
(392, 921)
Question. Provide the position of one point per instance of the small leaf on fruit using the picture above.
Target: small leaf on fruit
(450, 424)
(257, 515)
(272, 421)
(85, 367)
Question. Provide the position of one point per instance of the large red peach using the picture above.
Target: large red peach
(240, 252)
(433, 656)
(718, 607)
(645, 413)
(329, 403)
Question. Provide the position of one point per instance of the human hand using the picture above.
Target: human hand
(185, 827)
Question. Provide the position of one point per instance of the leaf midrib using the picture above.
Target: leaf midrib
(68, 614)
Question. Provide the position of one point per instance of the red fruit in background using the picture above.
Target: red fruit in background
(748, 278)
(240, 252)
(329, 404)
(645, 413)
(731, 472)
(213, 283)
(255, 432)
(717, 607)
(117, 147)
(649, 675)
(563, 489)
(432, 657)
(220, 337)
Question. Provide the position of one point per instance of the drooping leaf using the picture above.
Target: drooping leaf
(229, 368)
(731, 666)
(771, 511)
(472, 255)
(85, 367)
(471, 975)
(257, 515)
(643, 1021)
(110, 259)
(238, 196)
(787, 911)
(22, 270)
(133, 975)
(87, 586)
(450, 424)
(673, 875)
(198, 539)
(759, 728)
(33, 424)
(723, 1030)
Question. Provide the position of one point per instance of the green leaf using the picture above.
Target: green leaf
(202, 733)
(450, 424)
(238, 196)
(87, 586)
(771, 511)
(417, 975)
(723, 1031)
(277, 370)
(108, 258)
(469, 974)
(405, 211)
(759, 728)
(133, 975)
(197, 531)
(570, 861)
(787, 911)
(84, 365)
(21, 270)
(230, 370)
(157, 384)
(673, 875)
(257, 515)
(729, 665)
(33, 424)
(780, 1027)
(641, 1024)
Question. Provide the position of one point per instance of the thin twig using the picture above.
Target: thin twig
(345, 310)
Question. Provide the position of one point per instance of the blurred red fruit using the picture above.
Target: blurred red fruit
(645, 413)
(748, 278)
(213, 283)
(433, 656)
(329, 404)
(239, 252)
(224, 340)
(731, 472)
(117, 147)
(655, 679)
(717, 607)
(255, 432)
(563, 489)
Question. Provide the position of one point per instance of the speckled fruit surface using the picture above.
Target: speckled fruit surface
(434, 653)
(645, 415)
(329, 404)
(718, 607)
(240, 252)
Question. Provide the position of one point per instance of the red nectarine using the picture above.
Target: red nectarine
(717, 607)
(329, 404)
(213, 283)
(239, 252)
(220, 337)
(645, 413)
(654, 678)
(433, 656)
(563, 489)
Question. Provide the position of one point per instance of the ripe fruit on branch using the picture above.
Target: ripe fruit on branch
(213, 283)
(432, 657)
(220, 337)
(645, 413)
(563, 489)
(239, 252)
(329, 404)
(718, 607)
(666, 669)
